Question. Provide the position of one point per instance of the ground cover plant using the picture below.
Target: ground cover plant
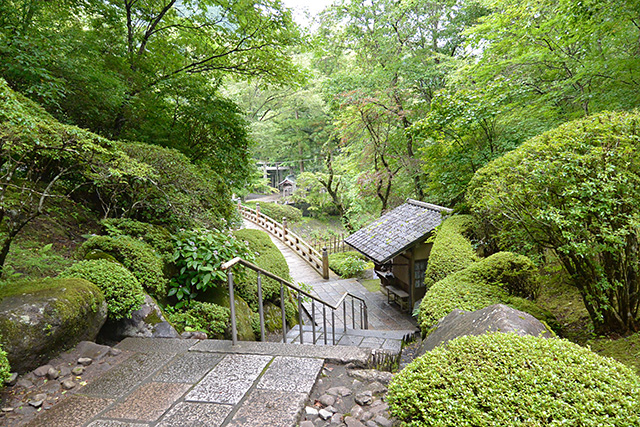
(349, 263)
(506, 380)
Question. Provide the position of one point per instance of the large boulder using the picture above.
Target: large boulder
(220, 296)
(39, 320)
(495, 318)
(148, 322)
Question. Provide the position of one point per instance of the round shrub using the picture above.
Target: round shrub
(507, 380)
(134, 254)
(277, 211)
(121, 289)
(515, 273)
(5, 369)
(201, 316)
(451, 250)
(156, 236)
(348, 264)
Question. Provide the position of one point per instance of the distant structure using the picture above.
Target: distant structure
(397, 244)
(275, 174)
(287, 186)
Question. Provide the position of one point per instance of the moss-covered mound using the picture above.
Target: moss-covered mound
(202, 316)
(121, 289)
(38, 320)
(349, 263)
(137, 256)
(277, 211)
(481, 285)
(507, 380)
(451, 250)
(156, 236)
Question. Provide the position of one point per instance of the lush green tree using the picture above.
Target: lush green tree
(575, 191)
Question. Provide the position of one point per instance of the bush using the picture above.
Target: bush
(479, 286)
(156, 236)
(348, 264)
(277, 211)
(506, 380)
(137, 256)
(515, 273)
(201, 316)
(121, 289)
(451, 250)
(5, 369)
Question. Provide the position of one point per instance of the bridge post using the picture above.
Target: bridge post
(284, 228)
(258, 213)
(325, 263)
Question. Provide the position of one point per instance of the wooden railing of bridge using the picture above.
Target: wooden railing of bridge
(320, 262)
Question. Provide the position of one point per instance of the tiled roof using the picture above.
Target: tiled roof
(397, 230)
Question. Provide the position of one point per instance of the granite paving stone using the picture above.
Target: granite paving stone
(350, 340)
(269, 408)
(188, 368)
(372, 342)
(126, 376)
(150, 345)
(291, 374)
(189, 414)
(115, 423)
(229, 380)
(71, 412)
(148, 402)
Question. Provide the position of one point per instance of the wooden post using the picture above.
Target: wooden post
(284, 228)
(325, 263)
(258, 212)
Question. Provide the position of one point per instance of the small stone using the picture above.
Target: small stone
(24, 382)
(64, 370)
(356, 411)
(85, 361)
(42, 370)
(336, 418)
(378, 407)
(7, 409)
(377, 388)
(364, 398)
(356, 383)
(68, 384)
(331, 409)
(351, 422)
(383, 422)
(78, 370)
(372, 423)
(366, 416)
(114, 351)
(38, 400)
(310, 411)
(53, 373)
(199, 335)
(327, 400)
(324, 414)
(12, 380)
(306, 424)
(370, 375)
(339, 391)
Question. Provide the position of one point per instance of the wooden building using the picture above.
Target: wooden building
(397, 244)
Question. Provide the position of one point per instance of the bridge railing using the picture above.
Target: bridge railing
(320, 262)
(358, 305)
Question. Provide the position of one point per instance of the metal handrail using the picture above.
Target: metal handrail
(364, 321)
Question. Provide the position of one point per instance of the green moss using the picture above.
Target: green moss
(153, 318)
(202, 316)
(625, 350)
(243, 312)
(137, 256)
(156, 236)
(507, 380)
(5, 368)
(121, 289)
(451, 250)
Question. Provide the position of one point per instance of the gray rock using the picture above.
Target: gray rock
(12, 380)
(371, 375)
(42, 370)
(78, 370)
(38, 400)
(306, 424)
(495, 318)
(371, 423)
(327, 400)
(351, 422)
(53, 373)
(339, 391)
(92, 350)
(64, 370)
(324, 414)
(331, 409)
(377, 388)
(366, 416)
(114, 351)
(68, 384)
(309, 410)
(364, 398)
(148, 322)
(336, 418)
(382, 421)
(85, 361)
(357, 411)
(34, 330)
(24, 382)
(7, 409)
(195, 335)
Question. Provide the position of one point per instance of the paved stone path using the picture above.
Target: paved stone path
(178, 382)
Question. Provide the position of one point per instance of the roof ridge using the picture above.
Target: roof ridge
(429, 206)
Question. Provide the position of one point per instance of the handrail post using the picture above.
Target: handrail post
(300, 317)
(313, 320)
(333, 326)
(258, 212)
(324, 322)
(232, 308)
(353, 312)
(325, 263)
(284, 227)
(284, 316)
(344, 314)
(260, 307)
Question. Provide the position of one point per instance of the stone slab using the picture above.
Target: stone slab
(228, 382)
(269, 408)
(188, 414)
(154, 345)
(149, 402)
(291, 374)
(372, 342)
(188, 368)
(333, 354)
(71, 412)
(126, 376)
(350, 340)
(115, 423)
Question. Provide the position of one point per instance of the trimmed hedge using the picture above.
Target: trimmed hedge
(348, 264)
(480, 285)
(156, 236)
(137, 256)
(121, 289)
(451, 251)
(202, 316)
(506, 380)
(277, 211)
